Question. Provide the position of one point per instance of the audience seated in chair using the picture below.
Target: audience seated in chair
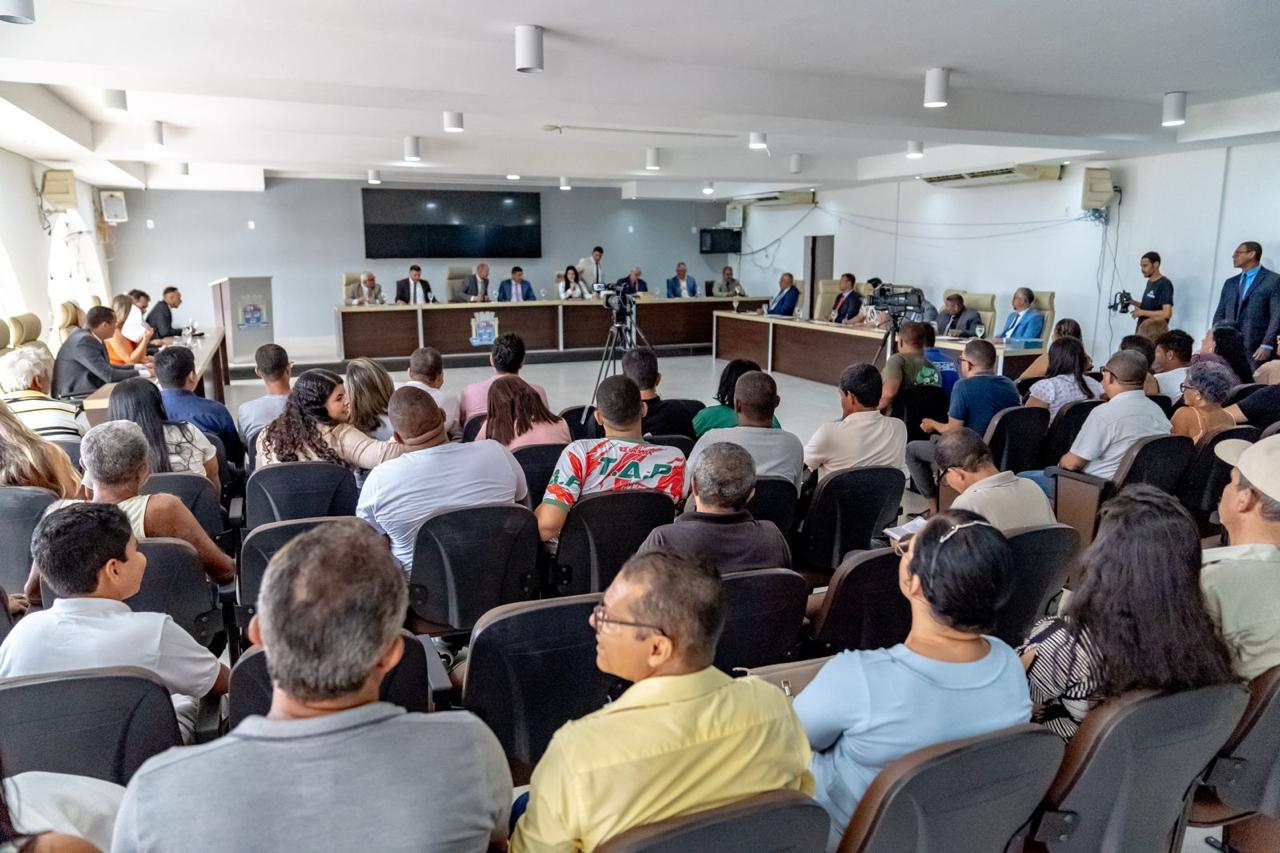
(26, 459)
(82, 366)
(176, 372)
(725, 415)
(662, 417)
(1141, 344)
(1206, 386)
(974, 402)
(114, 456)
(948, 680)
(172, 445)
(26, 378)
(1064, 328)
(1239, 580)
(121, 349)
(434, 474)
(1136, 619)
(863, 437)
(1113, 427)
(775, 452)
(683, 738)
(1173, 357)
(517, 417)
(964, 463)
(907, 367)
(1065, 380)
(314, 428)
(271, 365)
(369, 389)
(88, 553)
(620, 460)
(426, 371)
(507, 357)
(720, 531)
(330, 767)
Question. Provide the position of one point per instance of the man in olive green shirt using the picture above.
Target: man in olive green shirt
(1242, 582)
(908, 366)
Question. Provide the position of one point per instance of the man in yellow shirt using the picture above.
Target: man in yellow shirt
(684, 737)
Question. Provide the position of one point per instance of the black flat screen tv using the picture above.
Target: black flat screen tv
(719, 241)
(451, 224)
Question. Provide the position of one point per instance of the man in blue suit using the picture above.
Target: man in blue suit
(784, 301)
(1251, 300)
(515, 289)
(632, 283)
(681, 284)
(1024, 323)
(848, 303)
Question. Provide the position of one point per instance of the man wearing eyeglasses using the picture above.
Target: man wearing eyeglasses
(683, 738)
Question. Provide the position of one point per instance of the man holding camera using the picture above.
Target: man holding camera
(1157, 298)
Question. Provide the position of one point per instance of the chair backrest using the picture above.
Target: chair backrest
(1044, 304)
(864, 607)
(472, 427)
(259, 546)
(1014, 436)
(1024, 386)
(602, 531)
(981, 789)
(1246, 774)
(6, 621)
(251, 451)
(1163, 401)
(196, 493)
(683, 442)
(299, 490)
(1043, 558)
(1129, 772)
(1274, 429)
(791, 677)
(1063, 430)
(914, 404)
(1237, 394)
(984, 304)
(848, 508)
(763, 619)
(538, 462)
(1157, 460)
(1207, 475)
(405, 685)
(102, 723)
(774, 822)
(456, 279)
(775, 500)
(532, 668)
(693, 406)
(23, 329)
(573, 417)
(71, 448)
(468, 561)
(21, 508)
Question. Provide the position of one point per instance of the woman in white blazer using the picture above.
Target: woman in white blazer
(573, 287)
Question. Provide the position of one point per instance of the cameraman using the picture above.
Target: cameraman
(1157, 298)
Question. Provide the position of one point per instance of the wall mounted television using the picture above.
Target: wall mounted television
(451, 224)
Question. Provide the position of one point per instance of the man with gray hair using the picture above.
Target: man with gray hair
(367, 291)
(720, 531)
(26, 378)
(330, 767)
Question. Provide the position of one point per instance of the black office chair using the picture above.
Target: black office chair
(683, 442)
(1163, 401)
(849, 508)
(763, 619)
(1024, 386)
(1274, 429)
(71, 448)
(469, 561)
(1063, 430)
(1014, 436)
(772, 822)
(231, 477)
(1242, 391)
(251, 451)
(864, 607)
(256, 552)
(6, 621)
(1043, 559)
(601, 533)
(577, 427)
(102, 723)
(775, 500)
(472, 427)
(692, 406)
(299, 490)
(914, 404)
(21, 508)
(196, 493)
(538, 461)
(1207, 475)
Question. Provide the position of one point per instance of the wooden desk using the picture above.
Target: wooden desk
(821, 351)
(211, 366)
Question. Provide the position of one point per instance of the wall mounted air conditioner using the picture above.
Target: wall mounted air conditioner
(58, 190)
(113, 209)
(732, 215)
(1098, 189)
(781, 197)
(1018, 174)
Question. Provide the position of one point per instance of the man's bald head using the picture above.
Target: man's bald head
(413, 413)
(1128, 367)
(755, 396)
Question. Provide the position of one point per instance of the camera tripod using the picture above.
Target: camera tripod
(623, 334)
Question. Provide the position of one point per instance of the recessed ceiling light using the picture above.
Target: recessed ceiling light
(252, 225)
(651, 159)
(452, 122)
(757, 140)
(151, 223)
(513, 177)
(431, 205)
(116, 100)
(18, 11)
(412, 149)
(1066, 162)
(708, 188)
(375, 177)
(1175, 109)
(564, 184)
(936, 81)
(155, 135)
(508, 200)
(528, 48)
(915, 149)
(917, 177)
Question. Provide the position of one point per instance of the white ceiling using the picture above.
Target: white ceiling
(254, 88)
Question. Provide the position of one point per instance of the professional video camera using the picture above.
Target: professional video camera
(897, 300)
(1120, 302)
(618, 301)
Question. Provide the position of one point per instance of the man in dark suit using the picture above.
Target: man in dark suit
(82, 366)
(515, 289)
(632, 283)
(161, 316)
(1251, 300)
(848, 303)
(476, 286)
(415, 289)
(956, 320)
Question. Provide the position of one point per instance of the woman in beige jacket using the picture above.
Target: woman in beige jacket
(313, 428)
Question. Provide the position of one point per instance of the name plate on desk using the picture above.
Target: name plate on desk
(484, 329)
(1023, 344)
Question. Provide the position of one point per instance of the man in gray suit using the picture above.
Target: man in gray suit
(367, 291)
(476, 286)
(956, 320)
(1251, 300)
(82, 366)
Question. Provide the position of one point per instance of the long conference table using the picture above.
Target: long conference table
(820, 351)
(395, 331)
(212, 367)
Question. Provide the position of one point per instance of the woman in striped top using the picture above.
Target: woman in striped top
(1137, 620)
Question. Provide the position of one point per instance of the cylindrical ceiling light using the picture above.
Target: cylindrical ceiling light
(1175, 109)
(564, 183)
(528, 48)
(651, 159)
(936, 81)
(915, 149)
(184, 168)
(793, 164)
(18, 11)
(513, 177)
(452, 121)
(757, 140)
(708, 188)
(155, 135)
(116, 100)
(412, 149)
(375, 177)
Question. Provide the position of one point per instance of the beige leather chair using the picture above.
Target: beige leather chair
(800, 303)
(1044, 304)
(828, 289)
(95, 301)
(4, 338)
(70, 319)
(457, 277)
(348, 279)
(983, 303)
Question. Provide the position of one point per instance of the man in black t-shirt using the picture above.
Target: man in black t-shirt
(1157, 298)
(663, 417)
(1260, 409)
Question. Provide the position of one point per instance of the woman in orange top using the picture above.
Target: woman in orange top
(121, 350)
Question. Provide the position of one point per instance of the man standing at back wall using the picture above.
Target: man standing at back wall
(161, 316)
(1251, 300)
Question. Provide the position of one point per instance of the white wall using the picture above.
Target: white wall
(1193, 208)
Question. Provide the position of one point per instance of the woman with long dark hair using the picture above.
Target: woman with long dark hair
(314, 427)
(172, 445)
(1065, 381)
(517, 417)
(1225, 345)
(1137, 621)
(723, 415)
(1064, 328)
(573, 287)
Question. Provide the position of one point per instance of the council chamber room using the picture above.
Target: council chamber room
(687, 427)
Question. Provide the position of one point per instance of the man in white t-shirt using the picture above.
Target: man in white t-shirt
(426, 371)
(433, 475)
(775, 452)
(1173, 357)
(88, 554)
(863, 437)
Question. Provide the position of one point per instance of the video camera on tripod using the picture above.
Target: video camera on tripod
(1120, 302)
(897, 300)
(618, 301)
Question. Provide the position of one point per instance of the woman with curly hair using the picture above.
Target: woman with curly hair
(517, 417)
(26, 459)
(369, 390)
(315, 427)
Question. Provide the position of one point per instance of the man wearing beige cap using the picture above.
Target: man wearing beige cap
(1240, 582)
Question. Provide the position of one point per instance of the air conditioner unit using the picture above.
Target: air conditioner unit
(58, 190)
(781, 197)
(732, 215)
(1098, 189)
(113, 209)
(1017, 174)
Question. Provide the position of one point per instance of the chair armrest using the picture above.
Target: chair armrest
(441, 688)
(212, 717)
(1077, 499)
(1080, 477)
(235, 513)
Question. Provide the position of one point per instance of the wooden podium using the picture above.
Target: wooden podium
(242, 307)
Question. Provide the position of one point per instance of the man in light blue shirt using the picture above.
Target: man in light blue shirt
(271, 363)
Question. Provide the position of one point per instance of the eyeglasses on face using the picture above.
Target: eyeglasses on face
(600, 618)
